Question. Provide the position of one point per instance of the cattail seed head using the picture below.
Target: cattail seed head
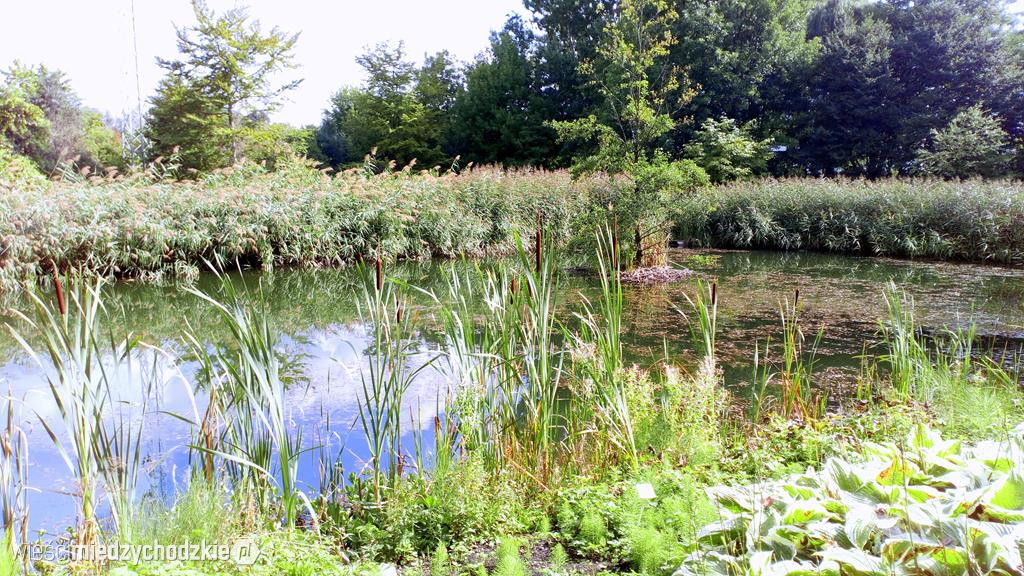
(59, 288)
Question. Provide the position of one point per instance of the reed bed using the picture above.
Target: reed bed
(162, 229)
(979, 221)
(155, 229)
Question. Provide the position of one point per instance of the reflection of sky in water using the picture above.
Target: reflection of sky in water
(323, 343)
(331, 360)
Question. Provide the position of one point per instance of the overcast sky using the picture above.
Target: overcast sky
(90, 40)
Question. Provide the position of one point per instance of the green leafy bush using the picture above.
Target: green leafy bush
(727, 151)
(973, 144)
(923, 506)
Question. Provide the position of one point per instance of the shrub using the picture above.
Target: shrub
(727, 151)
(973, 144)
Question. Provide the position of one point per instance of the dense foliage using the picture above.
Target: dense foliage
(41, 118)
(152, 228)
(843, 86)
(791, 87)
(972, 220)
(921, 506)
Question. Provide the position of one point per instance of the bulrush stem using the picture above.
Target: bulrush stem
(59, 288)
(538, 247)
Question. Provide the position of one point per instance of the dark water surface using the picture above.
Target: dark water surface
(323, 343)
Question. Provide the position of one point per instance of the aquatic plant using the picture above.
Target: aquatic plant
(971, 220)
(704, 306)
(161, 229)
(103, 448)
(258, 437)
(600, 330)
(795, 372)
(384, 310)
(13, 487)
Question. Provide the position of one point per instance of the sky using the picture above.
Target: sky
(90, 40)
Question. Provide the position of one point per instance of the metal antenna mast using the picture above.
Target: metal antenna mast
(132, 141)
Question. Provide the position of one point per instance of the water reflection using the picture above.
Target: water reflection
(322, 343)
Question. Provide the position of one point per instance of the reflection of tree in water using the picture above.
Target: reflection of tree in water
(841, 293)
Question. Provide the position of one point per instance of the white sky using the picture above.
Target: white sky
(90, 40)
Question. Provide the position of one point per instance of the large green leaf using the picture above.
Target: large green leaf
(856, 562)
(1008, 492)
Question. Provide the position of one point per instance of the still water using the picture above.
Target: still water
(323, 344)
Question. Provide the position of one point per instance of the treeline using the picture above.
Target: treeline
(44, 126)
(738, 87)
(839, 87)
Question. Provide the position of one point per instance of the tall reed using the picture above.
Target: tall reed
(704, 306)
(259, 436)
(796, 371)
(86, 362)
(390, 372)
(907, 355)
(601, 330)
(539, 362)
(13, 488)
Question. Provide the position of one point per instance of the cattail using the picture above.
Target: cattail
(538, 247)
(514, 287)
(796, 298)
(61, 305)
(714, 293)
(380, 275)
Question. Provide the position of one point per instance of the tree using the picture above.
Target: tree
(501, 116)
(184, 123)
(23, 125)
(101, 143)
(640, 90)
(727, 151)
(973, 144)
(230, 64)
(401, 113)
(890, 72)
(51, 91)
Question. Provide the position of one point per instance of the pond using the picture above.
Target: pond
(322, 343)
